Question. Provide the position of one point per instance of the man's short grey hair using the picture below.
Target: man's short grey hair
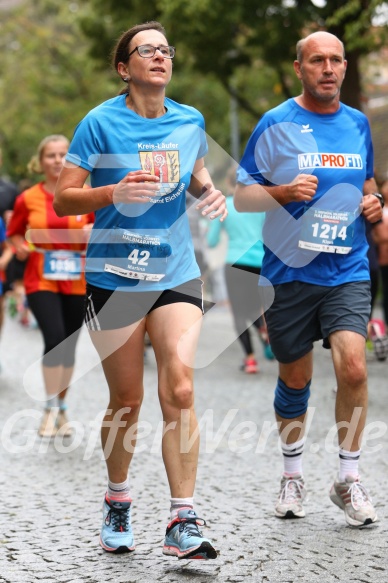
(300, 44)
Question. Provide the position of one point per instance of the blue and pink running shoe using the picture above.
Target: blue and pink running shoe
(116, 532)
(184, 540)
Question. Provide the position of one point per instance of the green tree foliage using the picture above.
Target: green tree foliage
(55, 61)
(48, 81)
(246, 47)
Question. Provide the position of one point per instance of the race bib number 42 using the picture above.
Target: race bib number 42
(327, 231)
(141, 256)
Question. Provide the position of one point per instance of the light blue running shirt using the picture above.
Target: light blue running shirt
(142, 246)
(244, 231)
(322, 242)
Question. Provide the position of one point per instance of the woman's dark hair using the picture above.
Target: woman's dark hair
(121, 51)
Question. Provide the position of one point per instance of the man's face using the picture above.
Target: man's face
(322, 69)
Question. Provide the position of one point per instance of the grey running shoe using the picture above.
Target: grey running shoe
(291, 496)
(353, 498)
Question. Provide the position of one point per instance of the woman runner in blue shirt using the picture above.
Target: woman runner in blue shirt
(142, 152)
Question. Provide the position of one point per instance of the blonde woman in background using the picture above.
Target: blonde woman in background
(53, 278)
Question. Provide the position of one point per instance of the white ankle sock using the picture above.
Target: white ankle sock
(348, 465)
(119, 491)
(292, 457)
(177, 503)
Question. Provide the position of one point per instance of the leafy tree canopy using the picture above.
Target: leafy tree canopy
(56, 59)
(219, 36)
(244, 49)
(47, 79)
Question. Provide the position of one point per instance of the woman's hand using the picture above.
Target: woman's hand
(135, 187)
(20, 246)
(213, 202)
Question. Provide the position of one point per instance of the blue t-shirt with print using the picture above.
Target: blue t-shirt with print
(140, 246)
(321, 242)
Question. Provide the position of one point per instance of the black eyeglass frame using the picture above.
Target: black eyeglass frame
(153, 54)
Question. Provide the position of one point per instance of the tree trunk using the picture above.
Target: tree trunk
(351, 87)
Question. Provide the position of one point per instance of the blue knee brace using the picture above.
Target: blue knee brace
(290, 403)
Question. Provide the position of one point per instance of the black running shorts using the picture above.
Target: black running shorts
(111, 309)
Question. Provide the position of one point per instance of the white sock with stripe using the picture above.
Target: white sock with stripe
(292, 457)
(348, 465)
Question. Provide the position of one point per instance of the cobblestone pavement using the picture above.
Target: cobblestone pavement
(52, 490)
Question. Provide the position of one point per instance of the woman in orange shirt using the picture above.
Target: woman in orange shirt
(54, 277)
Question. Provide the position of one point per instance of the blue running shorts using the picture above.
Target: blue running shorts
(303, 313)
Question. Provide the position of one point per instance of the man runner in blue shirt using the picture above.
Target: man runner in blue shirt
(309, 165)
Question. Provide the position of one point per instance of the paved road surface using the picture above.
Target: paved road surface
(52, 491)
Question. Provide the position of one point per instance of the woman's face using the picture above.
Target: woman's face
(150, 71)
(51, 158)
